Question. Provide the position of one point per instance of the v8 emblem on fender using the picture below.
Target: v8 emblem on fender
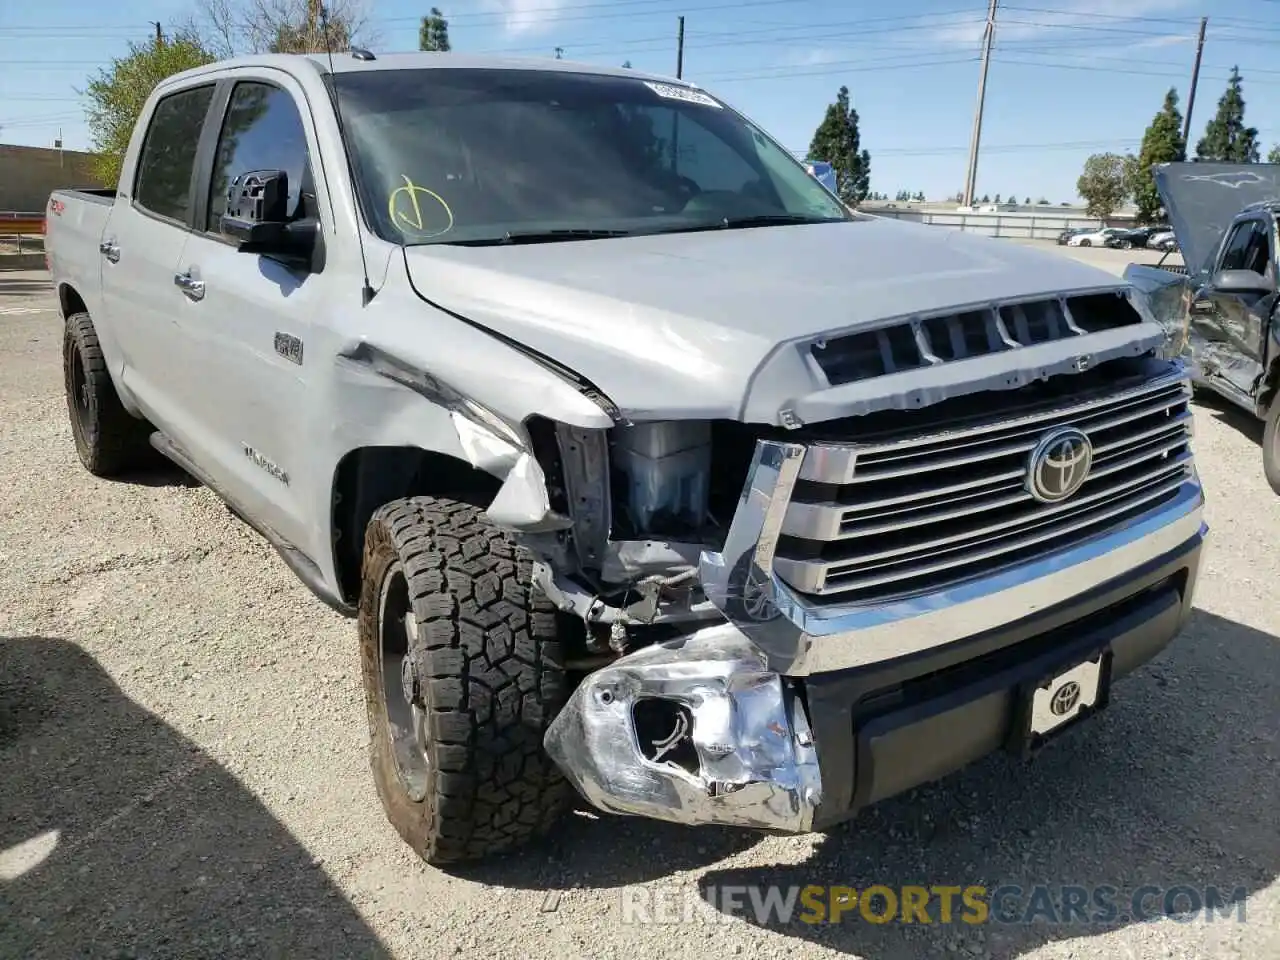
(289, 347)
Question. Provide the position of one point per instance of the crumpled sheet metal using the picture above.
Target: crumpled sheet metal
(758, 763)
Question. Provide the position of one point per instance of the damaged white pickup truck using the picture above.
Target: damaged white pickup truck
(646, 466)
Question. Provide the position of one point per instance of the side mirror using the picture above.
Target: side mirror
(256, 218)
(1242, 281)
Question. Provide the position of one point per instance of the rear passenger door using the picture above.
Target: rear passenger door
(141, 248)
(246, 333)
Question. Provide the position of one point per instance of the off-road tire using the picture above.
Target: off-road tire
(109, 440)
(487, 640)
(1271, 444)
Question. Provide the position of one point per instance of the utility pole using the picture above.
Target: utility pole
(1195, 80)
(680, 48)
(971, 179)
(159, 32)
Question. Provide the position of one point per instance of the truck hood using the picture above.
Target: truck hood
(1202, 199)
(679, 325)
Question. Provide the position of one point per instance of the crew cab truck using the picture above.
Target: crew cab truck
(1223, 305)
(645, 467)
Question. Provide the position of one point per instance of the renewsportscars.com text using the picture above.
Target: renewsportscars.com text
(970, 904)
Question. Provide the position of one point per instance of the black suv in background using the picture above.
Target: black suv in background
(1137, 237)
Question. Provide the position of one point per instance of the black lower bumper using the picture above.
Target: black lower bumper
(882, 730)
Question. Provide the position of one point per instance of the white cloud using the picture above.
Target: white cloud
(1171, 40)
(526, 17)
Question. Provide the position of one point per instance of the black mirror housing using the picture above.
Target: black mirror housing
(256, 218)
(1242, 281)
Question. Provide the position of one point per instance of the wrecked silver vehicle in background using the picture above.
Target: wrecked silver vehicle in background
(1221, 306)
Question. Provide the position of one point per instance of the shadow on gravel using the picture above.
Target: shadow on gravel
(159, 472)
(1224, 411)
(120, 838)
(1173, 786)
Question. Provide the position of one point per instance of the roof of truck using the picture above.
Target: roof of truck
(346, 62)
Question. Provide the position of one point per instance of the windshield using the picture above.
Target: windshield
(492, 156)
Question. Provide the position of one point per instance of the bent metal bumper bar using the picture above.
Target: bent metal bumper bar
(695, 731)
(709, 728)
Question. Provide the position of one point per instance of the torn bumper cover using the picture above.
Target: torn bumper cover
(728, 724)
(698, 730)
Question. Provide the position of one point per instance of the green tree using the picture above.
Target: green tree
(1162, 143)
(1273, 156)
(1226, 139)
(838, 142)
(1103, 184)
(626, 64)
(986, 198)
(116, 95)
(433, 34)
(1026, 202)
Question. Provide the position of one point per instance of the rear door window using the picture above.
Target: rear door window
(163, 182)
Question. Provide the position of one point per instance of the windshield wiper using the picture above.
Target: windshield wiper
(541, 236)
(760, 220)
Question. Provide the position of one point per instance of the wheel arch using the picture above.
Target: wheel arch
(366, 478)
(70, 301)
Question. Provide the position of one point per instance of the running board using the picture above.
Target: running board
(301, 565)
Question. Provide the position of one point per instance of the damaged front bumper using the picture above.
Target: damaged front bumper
(794, 711)
(696, 731)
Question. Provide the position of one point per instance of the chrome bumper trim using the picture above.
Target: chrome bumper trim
(799, 637)
(747, 756)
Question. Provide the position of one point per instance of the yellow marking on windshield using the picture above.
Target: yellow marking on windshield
(408, 217)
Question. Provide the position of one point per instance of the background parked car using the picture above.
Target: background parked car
(1135, 237)
(1070, 232)
(1094, 238)
(1165, 240)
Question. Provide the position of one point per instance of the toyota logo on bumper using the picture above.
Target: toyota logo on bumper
(1059, 465)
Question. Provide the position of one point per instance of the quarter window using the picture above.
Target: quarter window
(163, 183)
(262, 131)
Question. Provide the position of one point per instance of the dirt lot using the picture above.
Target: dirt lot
(183, 772)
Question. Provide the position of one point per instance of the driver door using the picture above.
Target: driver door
(249, 319)
(1234, 328)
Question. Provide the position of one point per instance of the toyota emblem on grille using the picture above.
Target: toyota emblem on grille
(1059, 465)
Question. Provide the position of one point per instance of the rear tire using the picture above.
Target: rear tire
(463, 673)
(109, 440)
(1271, 444)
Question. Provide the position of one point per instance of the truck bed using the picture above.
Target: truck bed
(91, 194)
(74, 225)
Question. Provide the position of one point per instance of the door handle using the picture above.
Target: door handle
(110, 251)
(189, 285)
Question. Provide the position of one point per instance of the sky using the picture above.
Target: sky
(1065, 80)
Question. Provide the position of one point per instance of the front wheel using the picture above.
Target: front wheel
(1271, 444)
(463, 673)
(1085, 243)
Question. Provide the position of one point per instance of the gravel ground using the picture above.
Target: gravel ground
(183, 768)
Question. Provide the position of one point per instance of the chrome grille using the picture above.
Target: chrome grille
(905, 515)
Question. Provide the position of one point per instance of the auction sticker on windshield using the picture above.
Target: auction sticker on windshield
(672, 92)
